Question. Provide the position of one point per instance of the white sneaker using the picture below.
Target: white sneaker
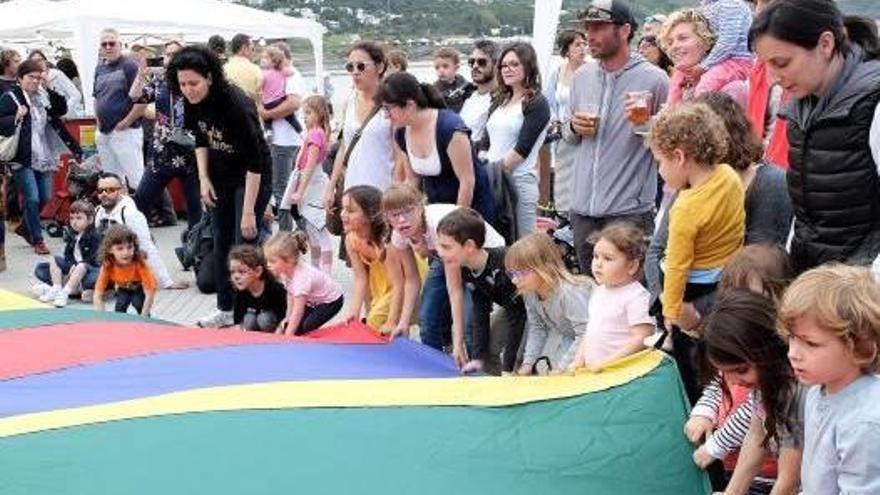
(217, 319)
(39, 288)
(50, 294)
(61, 298)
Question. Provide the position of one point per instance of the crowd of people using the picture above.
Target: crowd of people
(719, 167)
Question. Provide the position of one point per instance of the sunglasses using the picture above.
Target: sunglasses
(479, 62)
(102, 190)
(518, 274)
(352, 67)
(510, 65)
(108, 44)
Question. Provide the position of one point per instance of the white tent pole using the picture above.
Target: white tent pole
(86, 42)
(544, 26)
(318, 49)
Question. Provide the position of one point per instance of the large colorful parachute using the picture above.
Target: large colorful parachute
(104, 403)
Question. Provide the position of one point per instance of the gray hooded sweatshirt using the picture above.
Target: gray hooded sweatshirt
(614, 172)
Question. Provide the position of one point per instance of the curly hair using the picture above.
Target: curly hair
(743, 146)
(702, 28)
(115, 235)
(201, 60)
(692, 128)
(766, 264)
(844, 300)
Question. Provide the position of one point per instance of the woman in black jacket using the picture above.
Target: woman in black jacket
(37, 111)
(235, 167)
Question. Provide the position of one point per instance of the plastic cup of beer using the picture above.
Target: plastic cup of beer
(639, 107)
(590, 111)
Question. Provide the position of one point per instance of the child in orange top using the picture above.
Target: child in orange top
(123, 264)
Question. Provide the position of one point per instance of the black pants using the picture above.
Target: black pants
(227, 232)
(317, 315)
(153, 188)
(130, 297)
(513, 323)
(583, 227)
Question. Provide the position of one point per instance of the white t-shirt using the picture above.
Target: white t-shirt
(503, 127)
(475, 112)
(433, 214)
(874, 137)
(613, 311)
(372, 160)
(283, 134)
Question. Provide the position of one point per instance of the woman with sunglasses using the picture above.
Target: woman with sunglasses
(572, 47)
(516, 129)
(649, 47)
(232, 157)
(36, 111)
(371, 161)
(436, 144)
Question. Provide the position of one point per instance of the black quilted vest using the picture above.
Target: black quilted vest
(832, 179)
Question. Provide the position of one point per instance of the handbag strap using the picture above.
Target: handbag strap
(357, 135)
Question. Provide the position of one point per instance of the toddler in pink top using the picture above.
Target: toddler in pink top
(619, 321)
(313, 298)
(274, 89)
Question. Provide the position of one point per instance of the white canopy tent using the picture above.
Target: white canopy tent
(80, 22)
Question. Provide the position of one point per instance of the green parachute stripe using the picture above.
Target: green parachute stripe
(623, 441)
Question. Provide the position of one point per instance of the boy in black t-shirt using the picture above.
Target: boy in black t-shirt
(260, 300)
(460, 237)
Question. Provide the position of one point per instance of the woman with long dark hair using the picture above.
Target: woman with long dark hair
(232, 158)
(516, 128)
(436, 143)
(833, 123)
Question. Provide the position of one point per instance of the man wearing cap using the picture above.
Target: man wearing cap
(615, 176)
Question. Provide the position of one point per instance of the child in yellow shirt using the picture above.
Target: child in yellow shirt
(707, 220)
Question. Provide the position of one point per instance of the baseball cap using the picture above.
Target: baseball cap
(616, 11)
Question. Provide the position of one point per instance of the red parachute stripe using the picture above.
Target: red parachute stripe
(48, 348)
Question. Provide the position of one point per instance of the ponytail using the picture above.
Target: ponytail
(397, 89)
(287, 245)
(862, 31)
(431, 97)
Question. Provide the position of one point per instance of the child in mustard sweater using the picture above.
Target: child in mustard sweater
(706, 222)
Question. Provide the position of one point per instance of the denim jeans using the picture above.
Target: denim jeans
(35, 189)
(526, 203)
(42, 273)
(282, 164)
(154, 182)
(435, 316)
(227, 232)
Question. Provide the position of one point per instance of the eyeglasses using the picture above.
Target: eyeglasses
(108, 44)
(400, 213)
(510, 65)
(352, 67)
(518, 274)
(479, 62)
(102, 190)
(387, 107)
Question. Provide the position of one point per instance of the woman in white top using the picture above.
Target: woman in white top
(372, 159)
(435, 145)
(59, 82)
(572, 46)
(516, 128)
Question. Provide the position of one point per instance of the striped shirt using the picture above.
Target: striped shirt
(733, 429)
(730, 20)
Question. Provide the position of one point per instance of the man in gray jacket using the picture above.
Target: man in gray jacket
(615, 174)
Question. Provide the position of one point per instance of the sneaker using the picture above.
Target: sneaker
(217, 319)
(50, 294)
(87, 295)
(61, 298)
(40, 288)
(41, 248)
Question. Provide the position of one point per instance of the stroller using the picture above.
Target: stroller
(81, 182)
(558, 227)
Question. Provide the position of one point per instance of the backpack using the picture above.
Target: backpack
(197, 250)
